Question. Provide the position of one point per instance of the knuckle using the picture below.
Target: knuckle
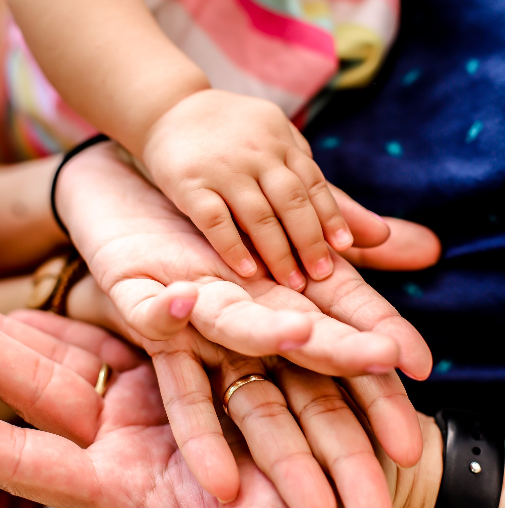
(211, 216)
(216, 222)
(268, 411)
(331, 403)
(317, 188)
(381, 398)
(340, 460)
(265, 221)
(18, 445)
(41, 377)
(296, 199)
(188, 399)
(287, 460)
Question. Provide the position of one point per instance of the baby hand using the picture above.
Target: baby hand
(222, 157)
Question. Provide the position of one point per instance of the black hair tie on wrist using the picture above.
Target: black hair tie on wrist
(473, 460)
(99, 138)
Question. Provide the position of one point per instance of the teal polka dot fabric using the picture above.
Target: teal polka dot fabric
(426, 142)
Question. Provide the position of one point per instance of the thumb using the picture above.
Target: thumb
(410, 246)
(153, 310)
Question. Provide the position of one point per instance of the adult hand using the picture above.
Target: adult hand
(116, 451)
(136, 244)
(277, 444)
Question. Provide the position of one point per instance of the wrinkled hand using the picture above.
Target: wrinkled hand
(222, 157)
(116, 451)
(279, 448)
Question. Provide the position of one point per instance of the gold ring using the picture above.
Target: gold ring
(103, 379)
(238, 384)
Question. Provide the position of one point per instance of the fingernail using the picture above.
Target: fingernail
(379, 369)
(378, 217)
(226, 502)
(289, 345)
(181, 308)
(246, 266)
(324, 267)
(343, 237)
(296, 280)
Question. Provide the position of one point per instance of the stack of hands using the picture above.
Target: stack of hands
(305, 434)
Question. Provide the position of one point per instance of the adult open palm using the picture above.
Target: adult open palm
(101, 452)
(136, 244)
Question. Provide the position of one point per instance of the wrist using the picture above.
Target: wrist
(188, 81)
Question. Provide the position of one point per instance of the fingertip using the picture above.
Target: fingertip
(168, 312)
(419, 365)
(323, 268)
(296, 281)
(247, 267)
(343, 240)
(222, 479)
(368, 352)
(398, 429)
(181, 297)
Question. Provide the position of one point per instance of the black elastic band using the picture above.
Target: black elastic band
(473, 460)
(99, 138)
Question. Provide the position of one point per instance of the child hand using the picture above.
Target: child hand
(217, 152)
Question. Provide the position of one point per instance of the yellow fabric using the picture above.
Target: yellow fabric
(364, 49)
(315, 9)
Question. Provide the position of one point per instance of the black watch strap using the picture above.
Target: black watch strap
(473, 460)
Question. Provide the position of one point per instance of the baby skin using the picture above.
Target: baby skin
(234, 164)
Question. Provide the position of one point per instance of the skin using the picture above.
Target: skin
(194, 141)
(28, 233)
(196, 355)
(126, 432)
(133, 240)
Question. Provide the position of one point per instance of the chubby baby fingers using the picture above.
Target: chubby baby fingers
(257, 218)
(335, 228)
(291, 203)
(211, 216)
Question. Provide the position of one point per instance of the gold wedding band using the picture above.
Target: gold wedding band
(238, 384)
(103, 379)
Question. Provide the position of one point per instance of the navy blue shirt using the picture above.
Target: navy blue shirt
(426, 142)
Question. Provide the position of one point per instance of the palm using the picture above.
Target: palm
(136, 243)
(132, 458)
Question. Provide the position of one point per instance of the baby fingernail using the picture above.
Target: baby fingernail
(246, 266)
(324, 267)
(226, 502)
(181, 308)
(378, 217)
(289, 345)
(296, 280)
(379, 369)
(343, 237)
